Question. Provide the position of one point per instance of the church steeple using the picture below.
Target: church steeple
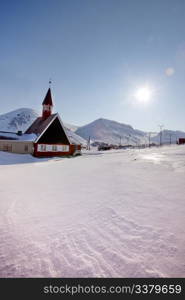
(47, 105)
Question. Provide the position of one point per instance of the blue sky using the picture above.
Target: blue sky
(99, 53)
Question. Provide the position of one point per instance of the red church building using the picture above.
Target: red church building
(45, 137)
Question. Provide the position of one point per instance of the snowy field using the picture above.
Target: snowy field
(104, 214)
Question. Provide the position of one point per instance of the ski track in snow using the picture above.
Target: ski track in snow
(112, 215)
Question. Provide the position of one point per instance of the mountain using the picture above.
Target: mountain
(111, 132)
(22, 118)
(19, 119)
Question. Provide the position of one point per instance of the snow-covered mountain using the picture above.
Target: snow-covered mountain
(22, 118)
(19, 119)
(111, 132)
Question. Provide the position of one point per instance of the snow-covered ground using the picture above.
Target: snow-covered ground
(104, 214)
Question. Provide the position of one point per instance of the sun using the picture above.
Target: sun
(143, 94)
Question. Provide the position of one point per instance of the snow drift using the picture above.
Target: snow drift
(114, 214)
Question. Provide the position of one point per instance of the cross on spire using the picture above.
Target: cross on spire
(50, 82)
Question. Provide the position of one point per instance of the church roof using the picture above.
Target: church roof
(48, 98)
(40, 125)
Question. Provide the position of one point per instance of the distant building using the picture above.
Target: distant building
(181, 141)
(45, 137)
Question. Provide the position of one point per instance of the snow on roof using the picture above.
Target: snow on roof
(28, 137)
(8, 135)
(74, 138)
(16, 137)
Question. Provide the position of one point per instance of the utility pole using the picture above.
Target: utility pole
(89, 143)
(149, 137)
(120, 140)
(128, 139)
(170, 134)
(160, 133)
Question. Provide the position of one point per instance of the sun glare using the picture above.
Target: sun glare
(143, 94)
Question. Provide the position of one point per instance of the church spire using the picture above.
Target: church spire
(47, 105)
